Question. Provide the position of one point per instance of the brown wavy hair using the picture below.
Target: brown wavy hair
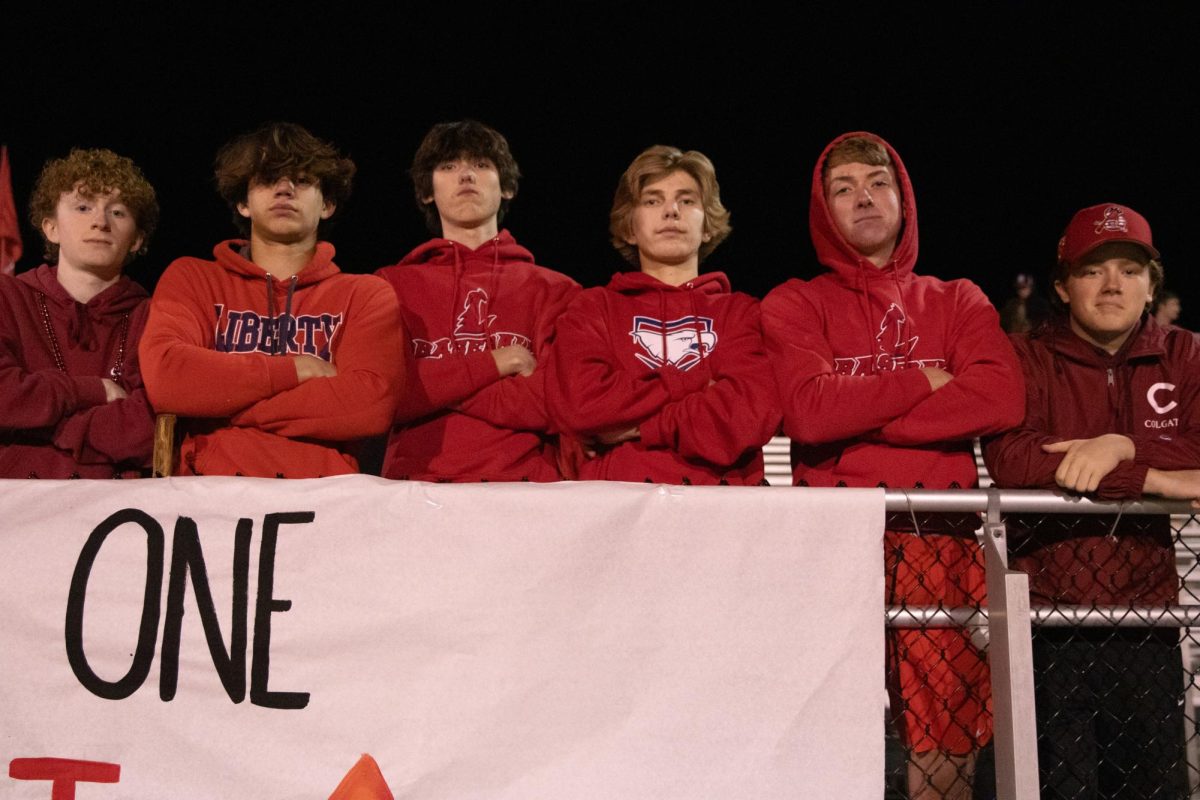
(97, 171)
(281, 150)
(653, 164)
(448, 141)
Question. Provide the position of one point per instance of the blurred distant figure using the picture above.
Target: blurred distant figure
(1027, 310)
(1167, 309)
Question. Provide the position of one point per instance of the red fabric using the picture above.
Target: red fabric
(10, 228)
(459, 420)
(1069, 395)
(847, 348)
(704, 412)
(207, 353)
(939, 681)
(57, 424)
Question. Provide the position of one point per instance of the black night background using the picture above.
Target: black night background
(1010, 117)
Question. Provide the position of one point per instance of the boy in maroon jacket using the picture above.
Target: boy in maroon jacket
(885, 377)
(480, 315)
(663, 370)
(70, 388)
(1112, 410)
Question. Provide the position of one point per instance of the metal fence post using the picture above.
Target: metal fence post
(1011, 657)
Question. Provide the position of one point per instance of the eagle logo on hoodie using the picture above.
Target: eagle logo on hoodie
(681, 342)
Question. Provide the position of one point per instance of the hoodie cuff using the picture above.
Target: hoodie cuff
(481, 369)
(1123, 483)
(681, 384)
(281, 372)
(89, 391)
(652, 434)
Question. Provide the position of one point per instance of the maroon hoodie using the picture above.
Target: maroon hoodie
(1149, 390)
(56, 423)
(847, 347)
(685, 364)
(458, 420)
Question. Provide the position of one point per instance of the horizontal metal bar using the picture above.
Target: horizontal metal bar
(1022, 501)
(1050, 617)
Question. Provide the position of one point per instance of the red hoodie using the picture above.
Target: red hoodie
(1149, 390)
(685, 364)
(56, 422)
(459, 420)
(213, 349)
(847, 347)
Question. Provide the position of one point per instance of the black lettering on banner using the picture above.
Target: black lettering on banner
(188, 557)
(264, 606)
(147, 630)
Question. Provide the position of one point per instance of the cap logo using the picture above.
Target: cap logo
(1113, 221)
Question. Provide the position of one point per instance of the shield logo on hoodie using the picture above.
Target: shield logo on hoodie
(681, 342)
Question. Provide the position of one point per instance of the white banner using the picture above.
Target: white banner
(238, 638)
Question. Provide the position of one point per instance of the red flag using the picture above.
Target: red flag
(10, 228)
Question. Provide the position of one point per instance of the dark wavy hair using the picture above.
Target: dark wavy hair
(281, 150)
(467, 138)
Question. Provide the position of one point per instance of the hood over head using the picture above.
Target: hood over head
(832, 248)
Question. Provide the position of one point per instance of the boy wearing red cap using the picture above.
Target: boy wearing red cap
(1112, 412)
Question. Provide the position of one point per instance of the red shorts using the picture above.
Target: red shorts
(938, 681)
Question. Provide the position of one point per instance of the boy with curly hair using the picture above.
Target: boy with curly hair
(281, 361)
(74, 404)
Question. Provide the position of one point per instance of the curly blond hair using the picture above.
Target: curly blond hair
(94, 172)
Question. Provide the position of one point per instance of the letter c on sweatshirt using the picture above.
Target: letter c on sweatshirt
(1154, 390)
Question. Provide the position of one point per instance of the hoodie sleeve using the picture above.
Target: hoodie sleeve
(985, 394)
(435, 384)
(35, 398)
(183, 373)
(588, 391)
(360, 400)
(120, 432)
(819, 405)
(735, 412)
(517, 402)
(1015, 459)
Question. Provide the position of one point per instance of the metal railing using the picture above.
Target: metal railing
(1009, 620)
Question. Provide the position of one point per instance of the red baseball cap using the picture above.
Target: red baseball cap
(1097, 225)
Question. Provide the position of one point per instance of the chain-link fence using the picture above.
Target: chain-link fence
(1111, 591)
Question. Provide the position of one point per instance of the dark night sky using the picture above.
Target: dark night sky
(1009, 118)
